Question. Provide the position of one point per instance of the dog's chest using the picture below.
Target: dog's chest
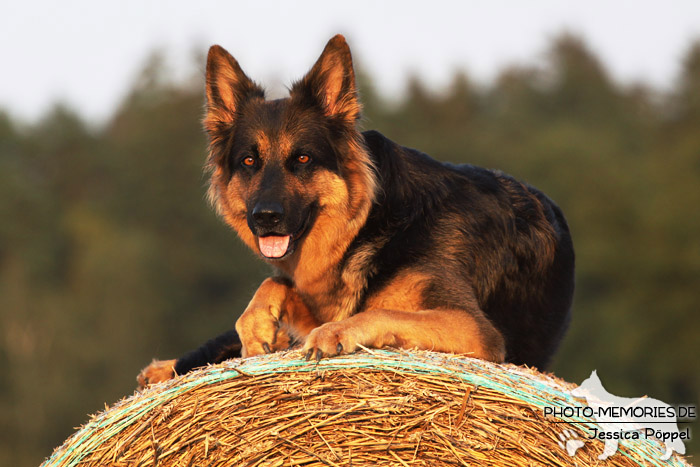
(335, 302)
(341, 292)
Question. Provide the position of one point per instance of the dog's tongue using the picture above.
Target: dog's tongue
(273, 246)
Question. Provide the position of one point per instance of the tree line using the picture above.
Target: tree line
(110, 256)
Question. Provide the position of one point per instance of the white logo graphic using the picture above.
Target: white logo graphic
(625, 418)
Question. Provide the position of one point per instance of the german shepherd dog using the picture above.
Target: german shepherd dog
(373, 244)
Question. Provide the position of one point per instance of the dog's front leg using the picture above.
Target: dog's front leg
(454, 331)
(273, 319)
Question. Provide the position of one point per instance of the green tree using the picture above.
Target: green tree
(109, 254)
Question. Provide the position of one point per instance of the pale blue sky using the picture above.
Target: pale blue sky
(88, 52)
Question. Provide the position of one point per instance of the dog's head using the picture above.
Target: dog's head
(278, 167)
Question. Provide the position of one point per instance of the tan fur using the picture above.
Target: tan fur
(157, 371)
(321, 291)
(285, 143)
(224, 75)
(345, 207)
(440, 330)
(264, 143)
(335, 65)
(231, 207)
(275, 307)
(405, 292)
(394, 317)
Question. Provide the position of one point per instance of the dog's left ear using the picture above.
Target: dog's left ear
(331, 82)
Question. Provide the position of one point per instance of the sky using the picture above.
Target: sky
(87, 53)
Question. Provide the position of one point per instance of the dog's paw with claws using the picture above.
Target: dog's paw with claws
(261, 332)
(331, 339)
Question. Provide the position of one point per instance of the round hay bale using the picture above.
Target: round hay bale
(378, 407)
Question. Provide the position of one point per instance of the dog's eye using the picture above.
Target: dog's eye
(303, 159)
(248, 161)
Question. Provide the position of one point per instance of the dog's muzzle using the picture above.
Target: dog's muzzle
(267, 215)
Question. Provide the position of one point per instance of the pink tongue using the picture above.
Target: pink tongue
(272, 246)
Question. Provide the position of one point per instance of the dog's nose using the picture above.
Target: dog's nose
(268, 214)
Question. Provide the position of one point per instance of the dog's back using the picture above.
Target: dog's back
(464, 224)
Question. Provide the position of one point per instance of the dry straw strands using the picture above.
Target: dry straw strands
(377, 407)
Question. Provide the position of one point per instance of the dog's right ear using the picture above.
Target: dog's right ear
(227, 87)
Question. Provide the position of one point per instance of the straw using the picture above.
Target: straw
(376, 407)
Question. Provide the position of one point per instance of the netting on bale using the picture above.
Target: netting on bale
(378, 407)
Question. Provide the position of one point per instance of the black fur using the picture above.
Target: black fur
(216, 350)
(485, 239)
(469, 225)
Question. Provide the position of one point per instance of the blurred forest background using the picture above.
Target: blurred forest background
(110, 256)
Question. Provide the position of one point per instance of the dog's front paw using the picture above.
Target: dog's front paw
(157, 371)
(331, 339)
(261, 333)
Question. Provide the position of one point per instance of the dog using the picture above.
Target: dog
(373, 244)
